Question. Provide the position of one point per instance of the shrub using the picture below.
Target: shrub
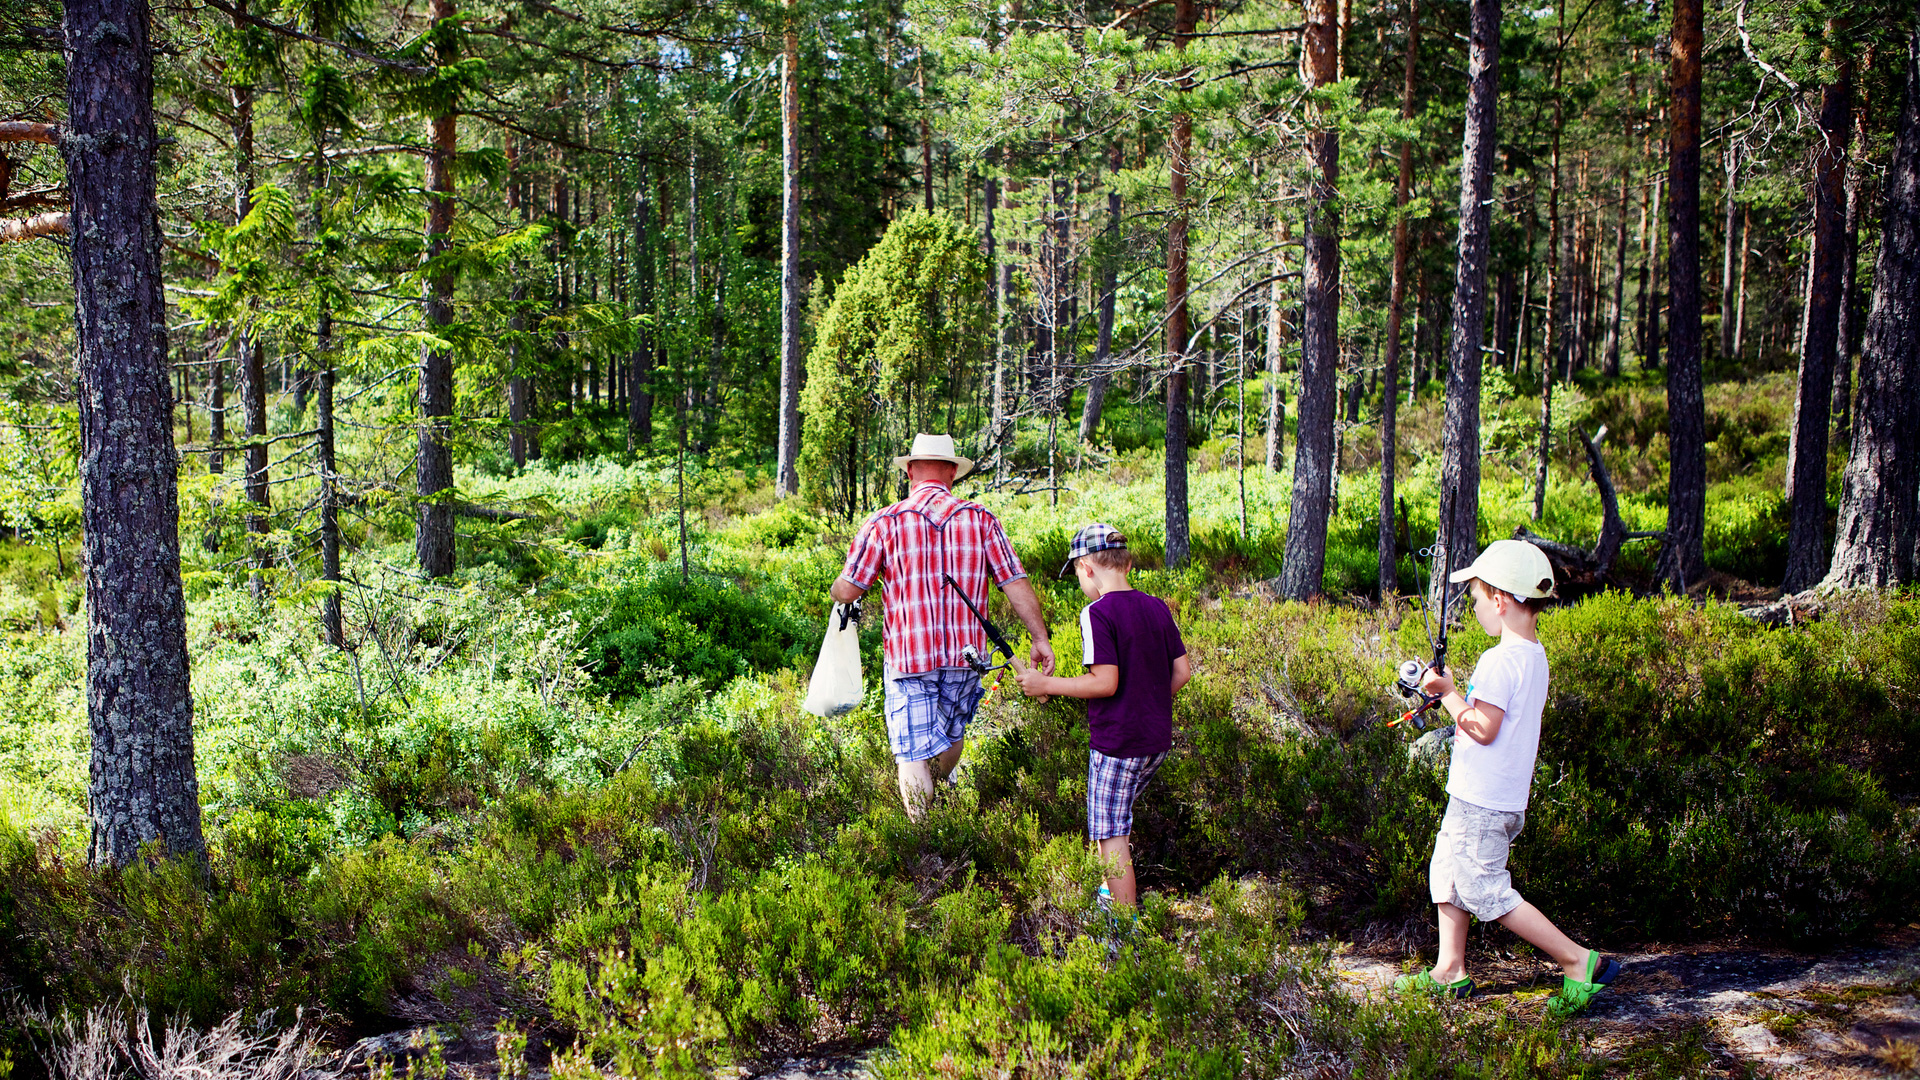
(656, 625)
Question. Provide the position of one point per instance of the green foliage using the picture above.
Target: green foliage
(902, 340)
(656, 625)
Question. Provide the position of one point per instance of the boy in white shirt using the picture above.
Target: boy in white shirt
(1497, 727)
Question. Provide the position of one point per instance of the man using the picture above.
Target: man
(915, 545)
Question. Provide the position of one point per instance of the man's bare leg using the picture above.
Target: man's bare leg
(1116, 854)
(917, 779)
(948, 760)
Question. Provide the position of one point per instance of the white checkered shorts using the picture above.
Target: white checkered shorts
(928, 712)
(1469, 867)
(1113, 783)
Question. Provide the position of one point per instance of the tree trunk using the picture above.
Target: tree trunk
(433, 471)
(259, 489)
(1740, 305)
(1185, 18)
(1396, 306)
(1556, 314)
(1727, 246)
(1847, 337)
(1879, 520)
(217, 417)
(142, 787)
(330, 620)
(1813, 394)
(1683, 559)
(1610, 362)
(786, 473)
(640, 365)
(1276, 358)
(1314, 457)
(1103, 346)
(519, 377)
(1460, 438)
(250, 363)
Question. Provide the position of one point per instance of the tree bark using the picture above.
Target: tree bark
(1616, 305)
(1740, 305)
(1314, 456)
(1728, 243)
(330, 619)
(250, 359)
(1683, 559)
(1847, 336)
(786, 472)
(1276, 358)
(1460, 436)
(1879, 524)
(640, 364)
(433, 472)
(1103, 345)
(1556, 314)
(1813, 394)
(142, 787)
(1396, 307)
(1185, 18)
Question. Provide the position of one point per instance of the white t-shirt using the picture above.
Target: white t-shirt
(1511, 676)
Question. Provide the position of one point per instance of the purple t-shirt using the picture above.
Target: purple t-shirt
(1134, 631)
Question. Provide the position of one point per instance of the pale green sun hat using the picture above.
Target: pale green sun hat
(1513, 566)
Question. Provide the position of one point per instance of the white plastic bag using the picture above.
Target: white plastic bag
(836, 686)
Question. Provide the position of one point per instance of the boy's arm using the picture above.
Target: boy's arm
(1481, 723)
(1101, 680)
(1182, 671)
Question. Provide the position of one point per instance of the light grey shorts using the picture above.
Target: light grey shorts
(1469, 868)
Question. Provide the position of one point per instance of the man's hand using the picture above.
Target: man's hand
(1437, 683)
(1026, 607)
(1041, 655)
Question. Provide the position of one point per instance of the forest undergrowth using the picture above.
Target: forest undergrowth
(570, 790)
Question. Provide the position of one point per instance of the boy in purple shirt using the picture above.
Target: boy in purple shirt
(1135, 663)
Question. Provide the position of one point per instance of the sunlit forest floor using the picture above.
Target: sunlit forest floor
(565, 805)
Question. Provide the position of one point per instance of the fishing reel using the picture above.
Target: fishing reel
(1408, 684)
(980, 666)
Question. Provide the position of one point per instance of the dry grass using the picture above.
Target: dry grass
(122, 1040)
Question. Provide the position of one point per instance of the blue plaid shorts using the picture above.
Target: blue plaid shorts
(1113, 783)
(928, 711)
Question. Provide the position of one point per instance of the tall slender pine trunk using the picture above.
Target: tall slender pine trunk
(142, 787)
(1185, 18)
(1879, 527)
(1460, 432)
(1683, 560)
(1396, 307)
(433, 469)
(792, 372)
(1315, 458)
(1813, 393)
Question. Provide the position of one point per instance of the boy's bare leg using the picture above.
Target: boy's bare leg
(1538, 930)
(1117, 854)
(1451, 964)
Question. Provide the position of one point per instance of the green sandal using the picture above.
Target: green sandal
(1575, 995)
(1423, 982)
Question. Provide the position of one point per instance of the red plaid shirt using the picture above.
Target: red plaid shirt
(912, 543)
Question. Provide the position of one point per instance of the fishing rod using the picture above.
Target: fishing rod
(971, 654)
(1412, 670)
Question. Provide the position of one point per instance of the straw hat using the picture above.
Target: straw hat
(935, 448)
